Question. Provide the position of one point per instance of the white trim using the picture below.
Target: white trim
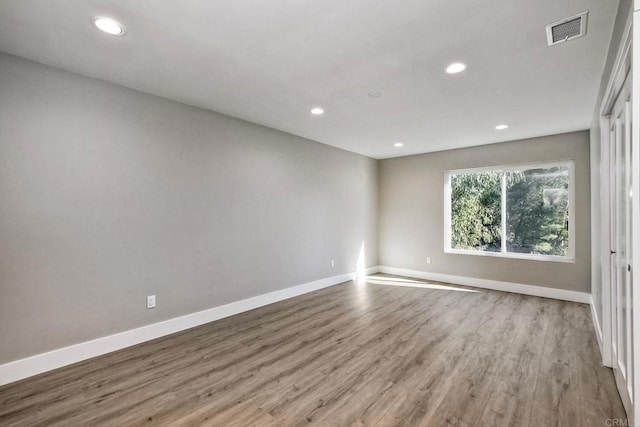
(27, 367)
(447, 211)
(514, 167)
(538, 291)
(373, 270)
(503, 214)
(605, 241)
(635, 215)
(514, 255)
(568, 163)
(596, 323)
(622, 66)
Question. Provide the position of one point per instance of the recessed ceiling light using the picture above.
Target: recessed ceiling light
(502, 127)
(109, 26)
(456, 67)
(398, 144)
(317, 111)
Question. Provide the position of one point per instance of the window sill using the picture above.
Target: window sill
(528, 257)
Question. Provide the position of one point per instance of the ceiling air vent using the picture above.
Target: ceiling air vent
(567, 29)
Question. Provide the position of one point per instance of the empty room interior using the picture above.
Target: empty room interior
(337, 213)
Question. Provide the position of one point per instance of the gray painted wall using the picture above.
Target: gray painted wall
(624, 10)
(412, 212)
(108, 195)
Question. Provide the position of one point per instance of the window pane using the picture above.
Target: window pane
(476, 211)
(538, 211)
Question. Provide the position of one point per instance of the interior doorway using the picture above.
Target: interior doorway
(620, 216)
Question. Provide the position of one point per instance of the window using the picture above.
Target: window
(521, 211)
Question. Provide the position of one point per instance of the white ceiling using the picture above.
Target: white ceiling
(269, 62)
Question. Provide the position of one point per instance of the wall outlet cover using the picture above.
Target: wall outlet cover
(151, 301)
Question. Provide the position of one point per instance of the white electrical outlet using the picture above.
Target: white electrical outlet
(333, 264)
(151, 301)
(428, 260)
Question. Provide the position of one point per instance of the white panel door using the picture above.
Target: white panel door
(621, 246)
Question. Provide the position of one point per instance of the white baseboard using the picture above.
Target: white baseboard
(373, 270)
(27, 367)
(596, 324)
(539, 291)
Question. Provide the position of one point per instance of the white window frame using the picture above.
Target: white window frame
(570, 258)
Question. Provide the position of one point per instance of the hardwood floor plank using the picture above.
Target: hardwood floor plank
(510, 402)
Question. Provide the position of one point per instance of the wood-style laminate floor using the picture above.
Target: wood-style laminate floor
(389, 352)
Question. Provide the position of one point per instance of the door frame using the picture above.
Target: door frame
(622, 66)
(627, 59)
(635, 209)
